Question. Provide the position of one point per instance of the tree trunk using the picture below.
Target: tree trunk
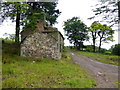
(94, 37)
(17, 25)
(93, 44)
(101, 37)
(100, 44)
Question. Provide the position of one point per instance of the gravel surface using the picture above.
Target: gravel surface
(106, 75)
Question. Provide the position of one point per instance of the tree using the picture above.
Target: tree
(43, 11)
(93, 29)
(76, 31)
(31, 25)
(105, 34)
(108, 10)
(47, 7)
(22, 13)
(116, 49)
(16, 11)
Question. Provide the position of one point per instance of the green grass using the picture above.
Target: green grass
(117, 84)
(27, 72)
(10, 47)
(109, 59)
(7, 40)
(21, 72)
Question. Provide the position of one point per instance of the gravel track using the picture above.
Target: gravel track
(106, 75)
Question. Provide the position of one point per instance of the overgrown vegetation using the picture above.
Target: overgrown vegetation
(27, 72)
(9, 47)
(23, 14)
(115, 49)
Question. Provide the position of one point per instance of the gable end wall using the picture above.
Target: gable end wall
(41, 44)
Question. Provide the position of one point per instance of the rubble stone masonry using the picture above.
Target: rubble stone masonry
(48, 44)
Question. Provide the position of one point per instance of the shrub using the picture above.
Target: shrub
(116, 49)
(10, 47)
(89, 48)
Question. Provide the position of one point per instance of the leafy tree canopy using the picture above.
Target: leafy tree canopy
(93, 29)
(76, 31)
(116, 49)
(102, 32)
(23, 13)
(49, 8)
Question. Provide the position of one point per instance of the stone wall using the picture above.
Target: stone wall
(46, 44)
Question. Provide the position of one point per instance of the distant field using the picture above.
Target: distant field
(26, 72)
(109, 59)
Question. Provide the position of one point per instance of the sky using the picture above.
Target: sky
(69, 9)
(82, 9)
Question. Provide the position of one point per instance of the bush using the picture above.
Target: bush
(116, 49)
(108, 53)
(103, 50)
(89, 48)
(10, 47)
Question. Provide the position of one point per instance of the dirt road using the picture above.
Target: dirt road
(106, 75)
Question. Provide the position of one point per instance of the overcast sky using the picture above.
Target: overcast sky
(82, 9)
(69, 9)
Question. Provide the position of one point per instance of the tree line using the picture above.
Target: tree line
(96, 30)
(78, 32)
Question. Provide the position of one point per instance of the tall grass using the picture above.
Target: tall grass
(21, 72)
(27, 72)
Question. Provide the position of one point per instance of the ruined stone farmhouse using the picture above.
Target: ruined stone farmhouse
(44, 42)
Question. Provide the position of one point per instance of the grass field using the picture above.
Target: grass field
(109, 59)
(26, 72)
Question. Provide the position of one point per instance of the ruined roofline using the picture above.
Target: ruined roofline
(50, 31)
(45, 31)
